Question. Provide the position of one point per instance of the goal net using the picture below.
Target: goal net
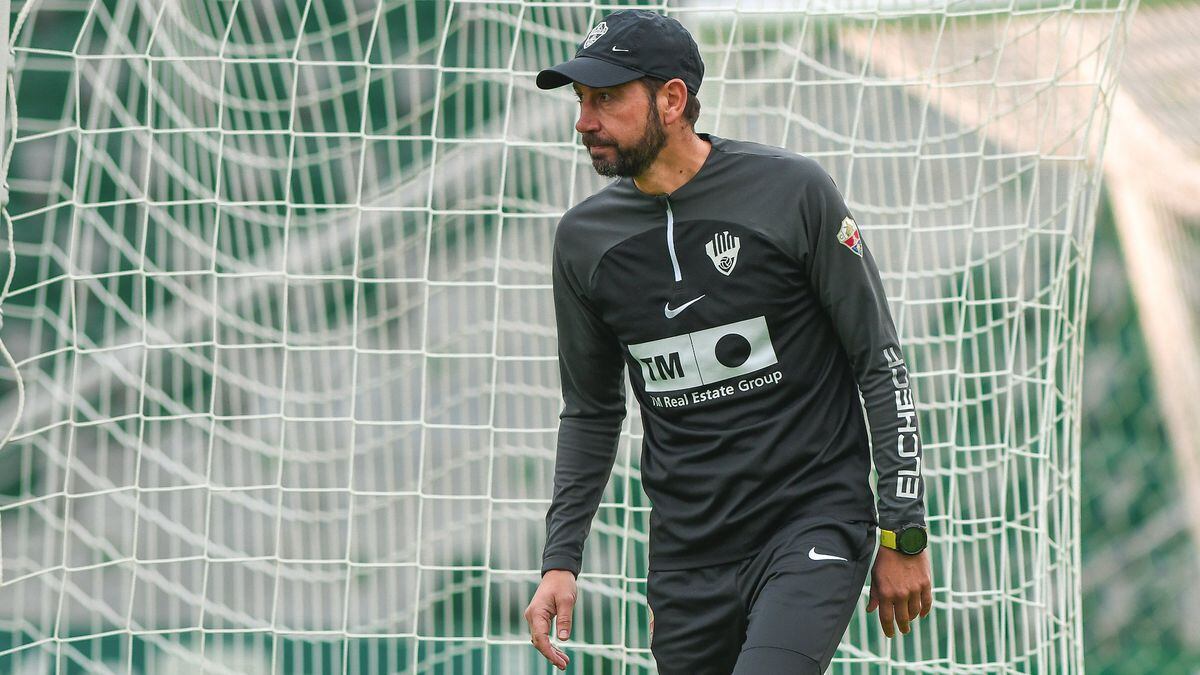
(279, 389)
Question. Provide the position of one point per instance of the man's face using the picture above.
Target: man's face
(621, 128)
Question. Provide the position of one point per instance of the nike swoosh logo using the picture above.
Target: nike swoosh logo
(812, 553)
(672, 313)
(618, 49)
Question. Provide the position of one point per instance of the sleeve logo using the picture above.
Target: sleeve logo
(600, 29)
(848, 235)
(723, 249)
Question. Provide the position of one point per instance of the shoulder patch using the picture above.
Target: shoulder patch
(849, 236)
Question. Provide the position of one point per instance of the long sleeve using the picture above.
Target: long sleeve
(846, 279)
(592, 373)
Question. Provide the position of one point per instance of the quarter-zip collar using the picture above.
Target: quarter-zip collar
(663, 201)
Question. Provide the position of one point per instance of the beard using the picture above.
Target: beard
(633, 160)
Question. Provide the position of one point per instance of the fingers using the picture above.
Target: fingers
(901, 590)
(886, 618)
(539, 627)
(902, 610)
(910, 608)
(565, 606)
(541, 642)
(538, 618)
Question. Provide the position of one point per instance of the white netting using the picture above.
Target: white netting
(1146, 513)
(280, 308)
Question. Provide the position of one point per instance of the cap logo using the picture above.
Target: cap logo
(600, 29)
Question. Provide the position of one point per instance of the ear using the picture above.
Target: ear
(672, 99)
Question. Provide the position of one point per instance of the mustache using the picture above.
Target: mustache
(591, 140)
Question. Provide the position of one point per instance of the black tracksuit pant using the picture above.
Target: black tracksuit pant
(781, 611)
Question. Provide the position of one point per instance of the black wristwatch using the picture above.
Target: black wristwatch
(910, 539)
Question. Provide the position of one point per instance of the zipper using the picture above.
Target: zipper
(671, 240)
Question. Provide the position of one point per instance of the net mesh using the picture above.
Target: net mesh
(283, 389)
(1142, 398)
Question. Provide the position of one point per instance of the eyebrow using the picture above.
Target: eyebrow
(600, 89)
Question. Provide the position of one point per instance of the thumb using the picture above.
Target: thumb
(874, 601)
(566, 605)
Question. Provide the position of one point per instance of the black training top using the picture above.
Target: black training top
(747, 307)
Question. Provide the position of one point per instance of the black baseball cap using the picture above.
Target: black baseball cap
(626, 45)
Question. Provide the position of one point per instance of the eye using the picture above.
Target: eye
(605, 96)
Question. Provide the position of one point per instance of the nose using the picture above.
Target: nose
(587, 119)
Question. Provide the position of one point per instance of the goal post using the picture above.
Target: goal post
(284, 392)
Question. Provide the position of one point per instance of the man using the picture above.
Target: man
(733, 282)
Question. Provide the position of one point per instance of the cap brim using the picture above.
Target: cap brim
(587, 71)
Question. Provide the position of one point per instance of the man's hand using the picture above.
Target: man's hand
(555, 596)
(900, 588)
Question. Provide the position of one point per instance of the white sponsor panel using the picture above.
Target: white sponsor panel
(692, 359)
(762, 353)
(668, 364)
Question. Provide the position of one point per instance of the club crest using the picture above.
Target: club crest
(849, 236)
(723, 249)
(600, 29)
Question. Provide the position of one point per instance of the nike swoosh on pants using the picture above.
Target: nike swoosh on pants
(812, 553)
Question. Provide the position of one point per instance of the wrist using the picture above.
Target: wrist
(561, 562)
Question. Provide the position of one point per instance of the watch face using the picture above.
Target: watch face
(911, 539)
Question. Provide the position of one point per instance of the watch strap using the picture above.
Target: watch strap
(887, 538)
